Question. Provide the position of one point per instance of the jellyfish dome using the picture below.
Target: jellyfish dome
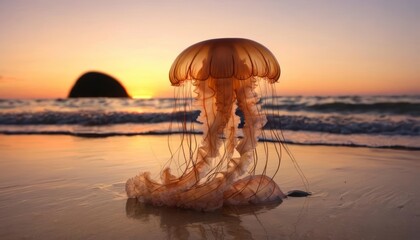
(224, 75)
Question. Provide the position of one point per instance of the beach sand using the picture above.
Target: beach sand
(64, 187)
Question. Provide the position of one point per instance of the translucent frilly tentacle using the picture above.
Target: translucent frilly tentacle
(210, 179)
(253, 189)
(255, 119)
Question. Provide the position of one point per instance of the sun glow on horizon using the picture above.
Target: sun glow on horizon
(142, 97)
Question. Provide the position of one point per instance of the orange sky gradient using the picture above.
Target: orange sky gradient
(323, 47)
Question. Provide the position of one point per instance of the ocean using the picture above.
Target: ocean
(64, 164)
(357, 121)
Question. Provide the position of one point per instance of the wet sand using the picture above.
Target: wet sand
(64, 187)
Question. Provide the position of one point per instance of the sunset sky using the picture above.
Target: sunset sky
(323, 47)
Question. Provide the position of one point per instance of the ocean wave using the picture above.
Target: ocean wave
(92, 117)
(339, 124)
(395, 108)
(346, 124)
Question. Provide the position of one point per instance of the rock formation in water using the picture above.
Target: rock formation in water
(96, 84)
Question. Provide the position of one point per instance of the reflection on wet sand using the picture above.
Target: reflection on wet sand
(189, 224)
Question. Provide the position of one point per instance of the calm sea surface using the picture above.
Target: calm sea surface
(369, 121)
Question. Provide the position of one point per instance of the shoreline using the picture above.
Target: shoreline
(107, 135)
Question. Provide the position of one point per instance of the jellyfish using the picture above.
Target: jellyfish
(224, 74)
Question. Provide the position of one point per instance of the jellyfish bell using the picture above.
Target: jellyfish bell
(224, 74)
(232, 58)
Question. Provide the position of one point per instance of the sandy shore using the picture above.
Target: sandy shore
(63, 187)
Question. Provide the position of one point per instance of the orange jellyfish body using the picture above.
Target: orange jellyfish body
(224, 73)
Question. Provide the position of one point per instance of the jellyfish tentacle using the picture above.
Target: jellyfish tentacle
(254, 122)
(253, 189)
(208, 195)
(189, 190)
(216, 111)
(230, 133)
(254, 118)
